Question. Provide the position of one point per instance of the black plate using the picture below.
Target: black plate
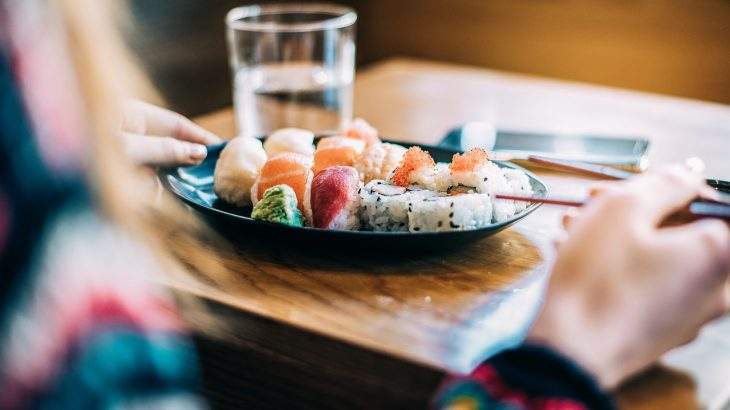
(194, 186)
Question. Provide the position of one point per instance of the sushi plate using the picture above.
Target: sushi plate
(194, 186)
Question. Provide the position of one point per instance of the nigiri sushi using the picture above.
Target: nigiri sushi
(279, 205)
(418, 168)
(237, 169)
(335, 200)
(333, 151)
(378, 161)
(290, 140)
(290, 169)
(360, 129)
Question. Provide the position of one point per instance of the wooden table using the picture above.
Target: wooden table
(284, 328)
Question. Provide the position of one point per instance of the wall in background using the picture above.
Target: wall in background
(666, 46)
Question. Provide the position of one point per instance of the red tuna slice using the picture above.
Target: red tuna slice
(333, 189)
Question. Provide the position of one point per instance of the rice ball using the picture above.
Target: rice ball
(237, 169)
(290, 140)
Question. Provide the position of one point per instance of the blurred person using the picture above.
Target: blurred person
(83, 326)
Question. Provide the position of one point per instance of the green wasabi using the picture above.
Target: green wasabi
(279, 205)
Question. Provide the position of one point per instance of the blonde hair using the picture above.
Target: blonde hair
(108, 76)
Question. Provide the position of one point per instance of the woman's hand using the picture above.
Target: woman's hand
(623, 290)
(155, 136)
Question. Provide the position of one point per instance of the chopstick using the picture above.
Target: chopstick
(587, 168)
(605, 171)
(700, 209)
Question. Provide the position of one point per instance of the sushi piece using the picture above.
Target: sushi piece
(385, 207)
(290, 169)
(520, 184)
(450, 213)
(237, 170)
(474, 169)
(333, 151)
(361, 130)
(418, 168)
(335, 201)
(279, 205)
(290, 140)
(378, 161)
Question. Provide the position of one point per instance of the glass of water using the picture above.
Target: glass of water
(293, 65)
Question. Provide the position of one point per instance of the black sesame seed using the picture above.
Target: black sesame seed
(377, 200)
(416, 228)
(440, 223)
(453, 225)
(379, 183)
(452, 205)
(451, 215)
(485, 179)
(359, 190)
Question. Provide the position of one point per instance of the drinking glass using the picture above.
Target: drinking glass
(293, 65)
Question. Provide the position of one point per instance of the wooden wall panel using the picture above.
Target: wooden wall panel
(665, 46)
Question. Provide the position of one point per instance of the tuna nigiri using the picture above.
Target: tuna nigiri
(333, 151)
(290, 169)
(335, 200)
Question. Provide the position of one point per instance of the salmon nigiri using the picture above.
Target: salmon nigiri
(290, 169)
(332, 151)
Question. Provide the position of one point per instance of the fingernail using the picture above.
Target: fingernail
(198, 151)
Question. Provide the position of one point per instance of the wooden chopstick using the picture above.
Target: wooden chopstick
(587, 168)
(699, 209)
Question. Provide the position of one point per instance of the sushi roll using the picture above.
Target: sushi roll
(385, 207)
(237, 170)
(473, 169)
(279, 205)
(378, 161)
(290, 140)
(335, 201)
(417, 168)
(360, 129)
(333, 151)
(520, 184)
(450, 213)
(290, 169)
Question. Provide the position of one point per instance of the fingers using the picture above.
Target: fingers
(186, 130)
(702, 246)
(147, 119)
(658, 194)
(162, 151)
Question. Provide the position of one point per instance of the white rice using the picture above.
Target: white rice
(436, 178)
(384, 207)
(349, 217)
(450, 213)
(520, 184)
(489, 179)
